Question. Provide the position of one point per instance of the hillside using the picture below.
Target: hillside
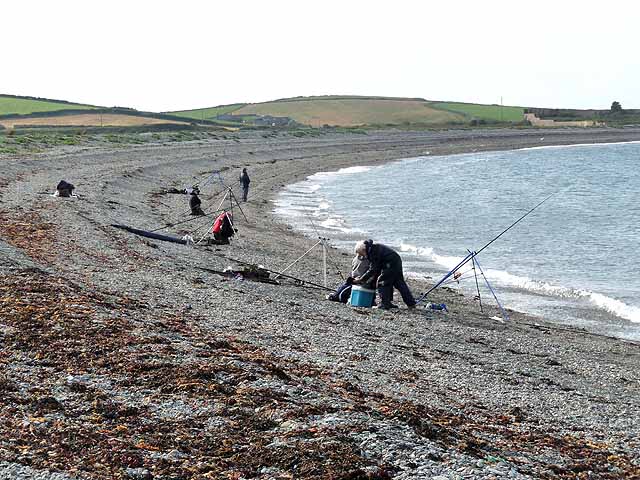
(10, 104)
(32, 112)
(207, 113)
(295, 112)
(347, 112)
(490, 113)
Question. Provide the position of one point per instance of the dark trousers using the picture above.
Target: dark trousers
(196, 210)
(386, 293)
(221, 239)
(390, 278)
(245, 192)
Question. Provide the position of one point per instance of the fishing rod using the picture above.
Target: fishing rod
(514, 223)
(471, 255)
(197, 217)
(302, 282)
(313, 225)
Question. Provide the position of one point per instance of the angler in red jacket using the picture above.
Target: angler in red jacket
(386, 262)
(223, 228)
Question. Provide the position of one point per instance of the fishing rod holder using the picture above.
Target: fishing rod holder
(321, 241)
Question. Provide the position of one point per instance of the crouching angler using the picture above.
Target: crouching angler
(64, 189)
(223, 228)
(195, 203)
(387, 264)
(359, 265)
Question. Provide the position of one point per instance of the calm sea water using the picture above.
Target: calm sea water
(574, 260)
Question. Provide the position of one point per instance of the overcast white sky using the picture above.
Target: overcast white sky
(167, 55)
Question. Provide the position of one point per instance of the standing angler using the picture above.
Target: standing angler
(245, 181)
(385, 261)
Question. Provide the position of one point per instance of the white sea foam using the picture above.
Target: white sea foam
(303, 188)
(544, 147)
(600, 301)
(443, 260)
(611, 305)
(320, 176)
(338, 224)
(332, 222)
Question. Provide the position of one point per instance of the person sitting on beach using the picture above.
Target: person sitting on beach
(359, 265)
(195, 203)
(64, 189)
(223, 228)
(387, 264)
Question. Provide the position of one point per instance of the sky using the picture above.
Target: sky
(173, 55)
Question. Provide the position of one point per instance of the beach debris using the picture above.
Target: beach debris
(249, 272)
(437, 306)
(149, 394)
(155, 236)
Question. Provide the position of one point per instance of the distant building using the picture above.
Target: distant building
(258, 120)
(270, 121)
(533, 119)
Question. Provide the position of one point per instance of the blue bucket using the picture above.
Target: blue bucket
(361, 297)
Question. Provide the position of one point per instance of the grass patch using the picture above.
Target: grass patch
(355, 112)
(24, 106)
(493, 113)
(207, 113)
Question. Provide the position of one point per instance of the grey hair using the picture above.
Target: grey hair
(360, 245)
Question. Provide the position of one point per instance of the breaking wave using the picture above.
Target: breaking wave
(545, 147)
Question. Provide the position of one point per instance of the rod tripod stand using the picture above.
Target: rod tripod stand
(321, 241)
(474, 264)
(232, 200)
(473, 258)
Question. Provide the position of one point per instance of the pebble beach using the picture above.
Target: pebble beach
(129, 357)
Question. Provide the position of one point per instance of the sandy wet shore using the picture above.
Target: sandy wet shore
(125, 357)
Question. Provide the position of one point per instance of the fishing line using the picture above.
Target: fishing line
(471, 255)
(325, 247)
(195, 217)
(189, 219)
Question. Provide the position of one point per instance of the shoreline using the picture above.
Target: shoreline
(289, 208)
(286, 203)
(153, 365)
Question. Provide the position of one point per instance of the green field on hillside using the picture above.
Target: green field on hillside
(495, 113)
(26, 105)
(349, 111)
(345, 97)
(207, 113)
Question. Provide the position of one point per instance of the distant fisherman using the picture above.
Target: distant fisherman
(195, 202)
(386, 262)
(245, 181)
(64, 189)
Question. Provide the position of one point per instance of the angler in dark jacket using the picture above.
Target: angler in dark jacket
(387, 263)
(64, 189)
(244, 181)
(195, 203)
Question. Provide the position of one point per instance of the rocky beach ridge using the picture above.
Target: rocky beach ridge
(127, 357)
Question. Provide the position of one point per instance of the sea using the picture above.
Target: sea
(574, 259)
